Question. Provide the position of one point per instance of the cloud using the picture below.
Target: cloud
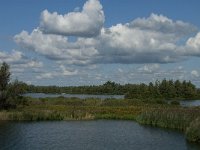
(163, 24)
(45, 76)
(67, 72)
(34, 64)
(13, 57)
(195, 73)
(19, 63)
(122, 44)
(155, 39)
(120, 70)
(148, 40)
(150, 68)
(193, 45)
(86, 23)
(56, 47)
(63, 71)
(27, 64)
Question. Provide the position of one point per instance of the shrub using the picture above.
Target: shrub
(193, 131)
(175, 103)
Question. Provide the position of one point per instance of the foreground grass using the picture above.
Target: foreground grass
(155, 113)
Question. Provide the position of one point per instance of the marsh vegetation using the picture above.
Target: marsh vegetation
(152, 113)
(145, 104)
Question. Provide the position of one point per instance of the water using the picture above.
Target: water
(189, 103)
(81, 96)
(89, 135)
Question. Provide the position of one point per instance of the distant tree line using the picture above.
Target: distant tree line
(107, 88)
(11, 92)
(165, 89)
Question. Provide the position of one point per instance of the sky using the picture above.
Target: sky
(88, 42)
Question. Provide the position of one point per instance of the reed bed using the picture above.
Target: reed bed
(184, 119)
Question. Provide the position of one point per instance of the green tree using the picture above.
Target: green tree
(4, 80)
(4, 76)
(15, 91)
(178, 87)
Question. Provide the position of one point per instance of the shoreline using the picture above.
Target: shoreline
(153, 114)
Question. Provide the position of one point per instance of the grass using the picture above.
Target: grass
(174, 118)
(193, 131)
(155, 113)
(184, 119)
(76, 109)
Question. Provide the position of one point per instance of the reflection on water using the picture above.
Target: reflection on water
(89, 135)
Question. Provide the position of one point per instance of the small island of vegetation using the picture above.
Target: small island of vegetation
(146, 104)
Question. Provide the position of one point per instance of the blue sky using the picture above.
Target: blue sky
(82, 42)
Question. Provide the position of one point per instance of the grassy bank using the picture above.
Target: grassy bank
(184, 119)
(73, 109)
(155, 113)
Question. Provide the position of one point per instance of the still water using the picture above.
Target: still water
(189, 103)
(81, 96)
(89, 135)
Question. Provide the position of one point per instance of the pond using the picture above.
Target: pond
(89, 135)
(81, 96)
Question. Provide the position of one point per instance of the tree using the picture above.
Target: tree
(4, 80)
(178, 87)
(4, 76)
(15, 91)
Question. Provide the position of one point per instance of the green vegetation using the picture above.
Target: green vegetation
(107, 88)
(193, 131)
(184, 119)
(9, 92)
(144, 104)
(172, 117)
(165, 89)
(73, 109)
(154, 113)
(175, 103)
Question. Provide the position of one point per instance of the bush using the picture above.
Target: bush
(175, 103)
(159, 101)
(193, 131)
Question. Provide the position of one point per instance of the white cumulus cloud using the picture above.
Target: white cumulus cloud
(57, 47)
(144, 40)
(161, 23)
(193, 45)
(86, 23)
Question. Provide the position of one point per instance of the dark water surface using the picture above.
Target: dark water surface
(89, 135)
